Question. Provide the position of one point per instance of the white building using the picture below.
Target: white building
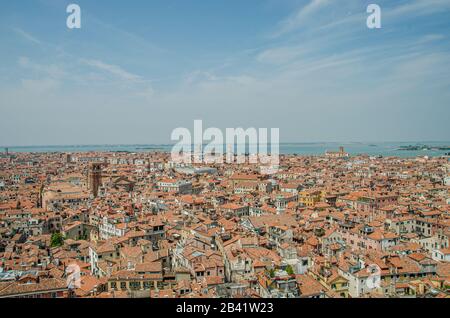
(109, 228)
(447, 181)
(442, 255)
(175, 186)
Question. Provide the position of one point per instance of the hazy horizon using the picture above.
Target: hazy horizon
(413, 142)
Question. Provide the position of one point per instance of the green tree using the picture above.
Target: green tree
(320, 232)
(57, 240)
(272, 273)
(289, 270)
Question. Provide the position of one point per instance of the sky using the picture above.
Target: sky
(138, 69)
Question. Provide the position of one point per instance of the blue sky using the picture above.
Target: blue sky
(138, 69)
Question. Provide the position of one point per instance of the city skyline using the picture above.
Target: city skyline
(225, 156)
(133, 73)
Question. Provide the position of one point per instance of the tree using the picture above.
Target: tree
(289, 270)
(272, 273)
(57, 240)
(320, 232)
(83, 237)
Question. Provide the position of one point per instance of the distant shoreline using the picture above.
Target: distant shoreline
(385, 149)
(423, 148)
(157, 145)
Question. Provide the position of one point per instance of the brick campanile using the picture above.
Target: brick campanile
(95, 178)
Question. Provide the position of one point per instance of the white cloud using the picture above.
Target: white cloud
(281, 55)
(200, 76)
(205, 78)
(430, 38)
(300, 17)
(417, 8)
(113, 69)
(26, 36)
(51, 70)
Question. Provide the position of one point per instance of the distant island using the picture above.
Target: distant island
(424, 147)
(149, 148)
